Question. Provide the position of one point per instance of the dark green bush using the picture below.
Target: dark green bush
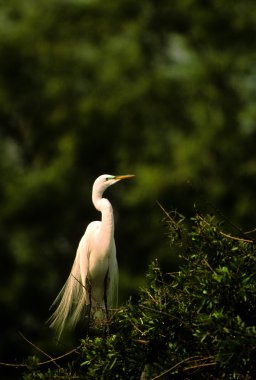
(198, 322)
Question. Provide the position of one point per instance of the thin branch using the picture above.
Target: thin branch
(250, 232)
(136, 327)
(13, 365)
(165, 212)
(163, 313)
(51, 359)
(39, 349)
(236, 238)
(228, 235)
(150, 295)
(199, 366)
(182, 362)
(171, 369)
(204, 261)
(61, 356)
(223, 216)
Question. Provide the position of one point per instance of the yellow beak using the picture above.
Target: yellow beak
(119, 177)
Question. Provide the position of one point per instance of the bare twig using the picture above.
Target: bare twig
(61, 356)
(40, 350)
(136, 327)
(12, 365)
(228, 235)
(205, 262)
(165, 212)
(162, 313)
(197, 366)
(250, 232)
(195, 358)
(236, 238)
(150, 296)
(51, 359)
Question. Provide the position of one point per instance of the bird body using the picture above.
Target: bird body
(93, 280)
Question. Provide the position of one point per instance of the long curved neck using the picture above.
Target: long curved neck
(107, 216)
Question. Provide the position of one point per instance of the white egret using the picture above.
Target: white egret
(93, 280)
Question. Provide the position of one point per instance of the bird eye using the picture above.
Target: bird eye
(108, 178)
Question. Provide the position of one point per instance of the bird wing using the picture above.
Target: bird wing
(112, 291)
(73, 296)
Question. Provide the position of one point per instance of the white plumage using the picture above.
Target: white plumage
(93, 280)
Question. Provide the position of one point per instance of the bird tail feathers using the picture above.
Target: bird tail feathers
(70, 302)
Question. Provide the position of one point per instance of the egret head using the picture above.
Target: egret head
(106, 180)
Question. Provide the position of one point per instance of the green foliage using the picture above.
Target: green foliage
(198, 322)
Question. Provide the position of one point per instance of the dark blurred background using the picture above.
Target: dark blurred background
(162, 89)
